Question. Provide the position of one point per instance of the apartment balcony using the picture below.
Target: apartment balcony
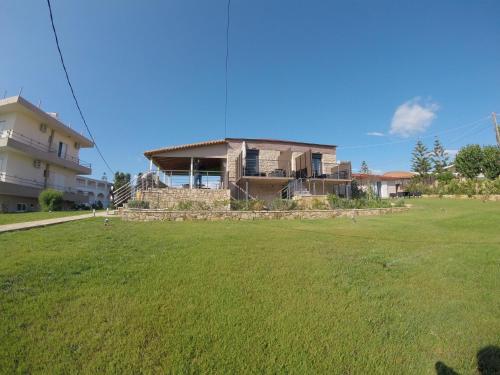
(25, 187)
(38, 150)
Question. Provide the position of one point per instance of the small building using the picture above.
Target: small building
(95, 190)
(37, 151)
(242, 168)
(389, 184)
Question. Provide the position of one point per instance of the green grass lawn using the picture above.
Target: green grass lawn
(392, 294)
(11, 218)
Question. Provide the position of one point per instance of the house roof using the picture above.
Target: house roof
(399, 174)
(385, 177)
(150, 153)
(18, 103)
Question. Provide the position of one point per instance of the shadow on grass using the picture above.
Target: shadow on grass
(488, 362)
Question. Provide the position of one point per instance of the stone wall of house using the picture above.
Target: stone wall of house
(171, 215)
(268, 160)
(169, 198)
(328, 161)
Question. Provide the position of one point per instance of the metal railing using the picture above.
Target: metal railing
(199, 179)
(28, 182)
(336, 171)
(267, 168)
(178, 179)
(40, 146)
(307, 186)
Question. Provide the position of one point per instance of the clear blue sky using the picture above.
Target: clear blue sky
(150, 74)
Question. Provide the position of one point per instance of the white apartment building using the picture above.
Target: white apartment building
(95, 190)
(37, 151)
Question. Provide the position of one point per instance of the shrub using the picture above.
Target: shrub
(192, 206)
(282, 204)
(51, 200)
(250, 205)
(343, 203)
(138, 204)
(318, 204)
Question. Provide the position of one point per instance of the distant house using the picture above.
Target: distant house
(242, 168)
(95, 190)
(385, 185)
(37, 151)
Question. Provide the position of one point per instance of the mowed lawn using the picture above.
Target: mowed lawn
(393, 294)
(11, 218)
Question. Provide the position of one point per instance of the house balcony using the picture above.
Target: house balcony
(38, 150)
(25, 187)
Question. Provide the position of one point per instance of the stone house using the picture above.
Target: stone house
(241, 168)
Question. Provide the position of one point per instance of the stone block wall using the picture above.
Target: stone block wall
(169, 215)
(169, 198)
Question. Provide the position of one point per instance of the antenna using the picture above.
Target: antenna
(39, 103)
(20, 91)
(4, 94)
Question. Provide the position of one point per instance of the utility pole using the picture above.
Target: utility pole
(497, 128)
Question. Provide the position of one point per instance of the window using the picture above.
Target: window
(21, 207)
(2, 164)
(316, 165)
(63, 149)
(252, 163)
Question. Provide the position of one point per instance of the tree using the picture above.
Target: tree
(364, 168)
(491, 162)
(420, 159)
(469, 161)
(121, 179)
(439, 157)
(51, 200)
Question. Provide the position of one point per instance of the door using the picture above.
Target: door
(252, 163)
(63, 149)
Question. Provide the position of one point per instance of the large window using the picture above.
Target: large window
(316, 165)
(63, 149)
(252, 163)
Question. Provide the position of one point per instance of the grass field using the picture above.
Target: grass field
(11, 218)
(393, 294)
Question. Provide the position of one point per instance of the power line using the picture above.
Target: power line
(227, 60)
(413, 138)
(73, 91)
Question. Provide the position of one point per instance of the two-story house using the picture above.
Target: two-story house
(37, 151)
(253, 168)
(96, 190)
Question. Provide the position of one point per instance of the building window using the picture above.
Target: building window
(316, 165)
(21, 207)
(252, 163)
(63, 149)
(2, 164)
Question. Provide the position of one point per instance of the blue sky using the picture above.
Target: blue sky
(150, 74)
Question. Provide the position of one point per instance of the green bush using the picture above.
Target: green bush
(250, 205)
(283, 205)
(138, 204)
(343, 203)
(318, 204)
(192, 206)
(51, 200)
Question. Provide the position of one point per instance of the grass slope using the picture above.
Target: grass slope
(21, 217)
(390, 294)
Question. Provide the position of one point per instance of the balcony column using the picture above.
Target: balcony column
(191, 174)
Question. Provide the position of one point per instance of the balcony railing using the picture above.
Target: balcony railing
(28, 182)
(39, 146)
(336, 171)
(184, 179)
(267, 168)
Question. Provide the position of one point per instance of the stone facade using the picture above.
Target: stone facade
(169, 198)
(170, 215)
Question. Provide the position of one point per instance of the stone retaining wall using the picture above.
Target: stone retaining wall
(169, 198)
(493, 197)
(170, 215)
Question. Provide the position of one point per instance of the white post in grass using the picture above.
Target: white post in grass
(191, 174)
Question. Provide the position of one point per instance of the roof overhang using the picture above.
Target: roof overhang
(19, 104)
